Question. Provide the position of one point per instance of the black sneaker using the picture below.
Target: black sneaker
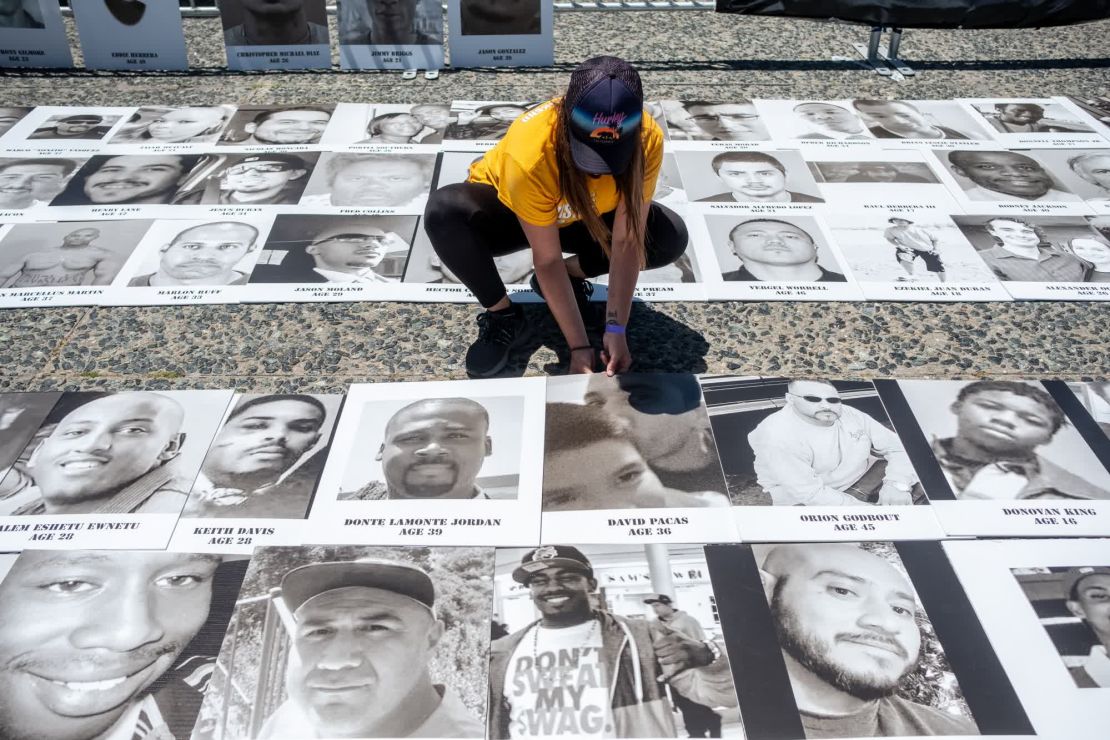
(582, 289)
(498, 334)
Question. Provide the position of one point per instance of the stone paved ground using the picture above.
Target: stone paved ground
(681, 55)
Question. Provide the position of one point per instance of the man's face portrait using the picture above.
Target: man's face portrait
(260, 176)
(817, 403)
(1003, 422)
(349, 250)
(1013, 233)
(603, 474)
(1009, 173)
(846, 616)
(433, 116)
(1093, 602)
(505, 113)
(106, 444)
(499, 16)
(206, 251)
(773, 243)
(135, 178)
(729, 121)
(80, 238)
(357, 654)
(1095, 169)
(435, 449)
(752, 179)
(1092, 250)
(392, 18)
(269, 437)
(25, 182)
(83, 634)
(561, 591)
(10, 116)
(76, 125)
(378, 183)
(1021, 115)
(184, 124)
(290, 127)
(827, 115)
(896, 117)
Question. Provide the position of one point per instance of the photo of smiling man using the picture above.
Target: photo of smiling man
(127, 179)
(103, 645)
(253, 179)
(1005, 176)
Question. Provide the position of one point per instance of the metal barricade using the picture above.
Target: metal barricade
(208, 9)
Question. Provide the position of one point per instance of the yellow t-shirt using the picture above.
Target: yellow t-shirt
(525, 172)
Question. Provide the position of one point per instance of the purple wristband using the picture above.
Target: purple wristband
(614, 329)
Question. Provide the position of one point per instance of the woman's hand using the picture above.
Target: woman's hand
(582, 361)
(616, 356)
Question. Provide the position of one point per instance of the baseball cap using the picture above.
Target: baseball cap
(1075, 575)
(606, 104)
(303, 583)
(552, 556)
(659, 599)
(291, 160)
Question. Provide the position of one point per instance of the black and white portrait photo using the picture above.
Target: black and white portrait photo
(861, 655)
(1095, 397)
(1030, 117)
(371, 180)
(390, 22)
(619, 641)
(20, 14)
(702, 120)
(10, 116)
(1073, 606)
(886, 173)
(277, 126)
(748, 177)
(816, 120)
(782, 248)
(274, 22)
(336, 249)
(91, 125)
(128, 179)
(68, 253)
(110, 644)
(266, 459)
(917, 119)
(361, 642)
(629, 442)
(193, 125)
(1004, 440)
(1085, 172)
(208, 253)
(277, 178)
(1038, 249)
(1004, 176)
(26, 182)
(499, 17)
(21, 416)
(437, 449)
(425, 266)
(483, 121)
(130, 34)
(128, 452)
(809, 442)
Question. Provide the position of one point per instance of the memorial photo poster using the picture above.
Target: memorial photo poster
(501, 33)
(477, 125)
(915, 123)
(10, 115)
(377, 182)
(631, 458)
(876, 178)
(821, 122)
(698, 123)
(412, 625)
(815, 459)
(429, 463)
(258, 478)
(561, 611)
(1001, 458)
(1085, 172)
(393, 127)
(1044, 257)
(391, 34)
(119, 642)
(130, 34)
(266, 127)
(768, 254)
(65, 263)
(1034, 122)
(32, 34)
(162, 128)
(31, 182)
(768, 177)
(906, 255)
(1043, 604)
(109, 470)
(1093, 396)
(64, 129)
(855, 640)
(262, 34)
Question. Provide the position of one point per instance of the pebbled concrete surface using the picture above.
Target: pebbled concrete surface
(314, 347)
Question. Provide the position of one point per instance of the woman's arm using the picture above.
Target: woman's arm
(547, 257)
(624, 270)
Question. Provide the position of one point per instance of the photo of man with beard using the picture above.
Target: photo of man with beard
(847, 622)
(128, 179)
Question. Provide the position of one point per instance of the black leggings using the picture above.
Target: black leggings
(469, 226)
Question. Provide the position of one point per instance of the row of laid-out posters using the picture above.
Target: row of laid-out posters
(633, 459)
(325, 203)
(283, 34)
(786, 641)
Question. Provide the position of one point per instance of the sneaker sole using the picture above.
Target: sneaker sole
(522, 338)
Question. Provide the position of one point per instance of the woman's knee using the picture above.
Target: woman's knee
(666, 238)
(448, 209)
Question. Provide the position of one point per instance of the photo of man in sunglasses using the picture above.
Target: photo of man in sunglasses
(257, 179)
(818, 451)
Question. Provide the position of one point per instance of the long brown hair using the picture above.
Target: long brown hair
(574, 185)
